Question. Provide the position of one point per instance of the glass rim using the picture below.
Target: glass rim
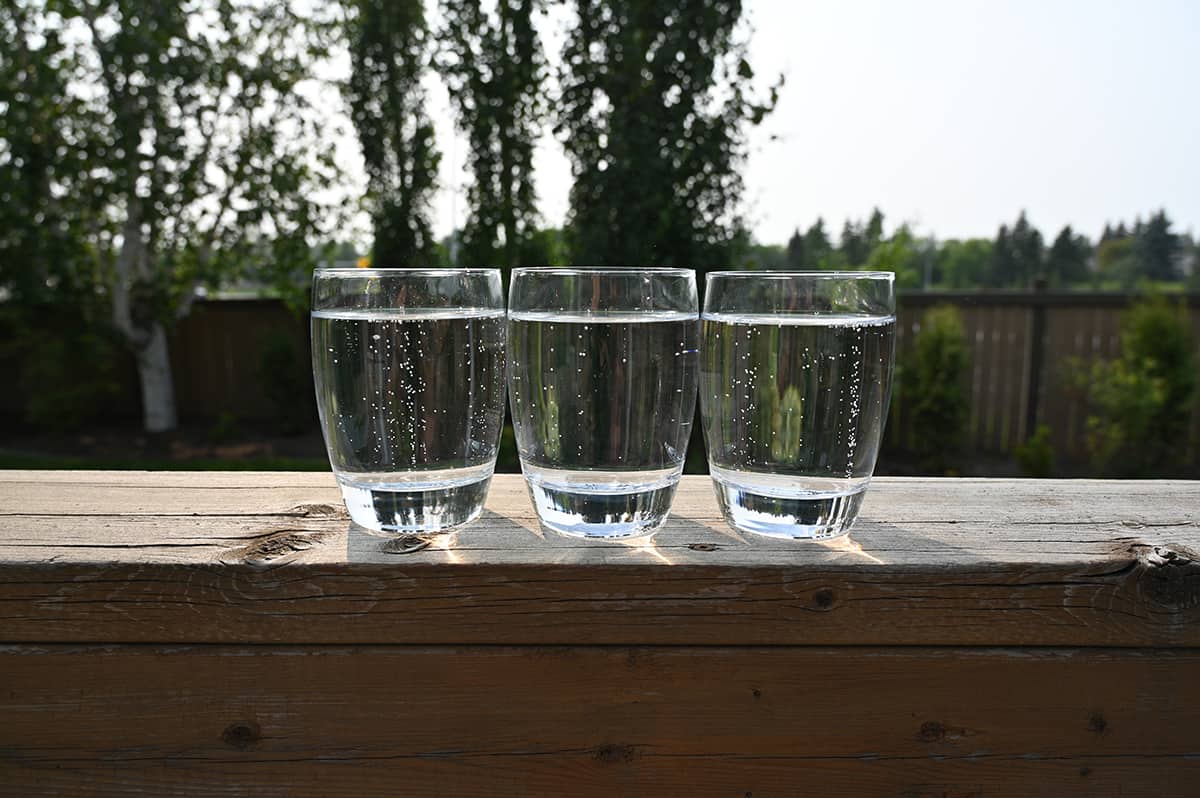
(566, 271)
(347, 271)
(779, 275)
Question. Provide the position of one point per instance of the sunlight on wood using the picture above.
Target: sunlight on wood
(445, 543)
(645, 546)
(847, 545)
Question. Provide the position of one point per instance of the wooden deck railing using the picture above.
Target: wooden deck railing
(229, 634)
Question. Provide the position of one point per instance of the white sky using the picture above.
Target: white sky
(952, 115)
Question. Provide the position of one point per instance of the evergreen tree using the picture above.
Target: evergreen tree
(816, 244)
(495, 70)
(1067, 260)
(1026, 246)
(874, 231)
(1157, 249)
(388, 53)
(1002, 268)
(656, 99)
(796, 253)
(854, 245)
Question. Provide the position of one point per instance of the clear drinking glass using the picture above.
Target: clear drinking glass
(602, 383)
(795, 377)
(409, 371)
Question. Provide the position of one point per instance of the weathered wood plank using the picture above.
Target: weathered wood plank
(598, 721)
(229, 558)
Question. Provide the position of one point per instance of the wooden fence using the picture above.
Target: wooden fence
(1025, 349)
(1022, 346)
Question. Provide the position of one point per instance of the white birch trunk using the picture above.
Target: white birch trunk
(149, 342)
(158, 389)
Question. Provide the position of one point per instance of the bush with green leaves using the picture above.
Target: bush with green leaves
(1036, 455)
(1140, 404)
(66, 367)
(286, 381)
(935, 383)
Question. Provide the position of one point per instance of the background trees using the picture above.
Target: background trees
(656, 99)
(495, 68)
(150, 151)
(388, 43)
(188, 154)
(1147, 254)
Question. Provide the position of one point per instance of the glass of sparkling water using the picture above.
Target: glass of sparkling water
(409, 371)
(602, 384)
(795, 378)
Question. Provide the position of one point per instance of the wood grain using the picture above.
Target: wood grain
(229, 634)
(271, 558)
(598, 721)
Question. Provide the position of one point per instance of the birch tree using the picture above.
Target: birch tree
(201, 153)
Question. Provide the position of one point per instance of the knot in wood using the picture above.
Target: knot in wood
(1169, 577)
(279, 543)
(934, 731)
(407, 544)
(703, 546)
(317, 510)
(611, 753)
(824, 598)
(241, 735)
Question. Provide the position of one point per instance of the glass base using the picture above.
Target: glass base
(780, 507)
(391, 511)
(602, 505)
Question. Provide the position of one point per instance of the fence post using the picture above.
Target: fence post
(1037, 354)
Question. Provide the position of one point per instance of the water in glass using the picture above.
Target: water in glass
(794, 406)
(411, 404)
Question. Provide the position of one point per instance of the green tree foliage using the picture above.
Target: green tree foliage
(855, 245)
(1016, 255)
(764, 256)
(1002, 266)
(188, 153)
(797, 257)
(1035, 456)
(286, 380)
(903, 254)
(1115, 260)
(963, 264)
(1157, 249)
(817, 247)
(935, 384)
(495, 69)
(389, 47)
(1067, 260)
(52, 325)
(1141, 402)
(874, 229)
(44, 166)
(656, 100)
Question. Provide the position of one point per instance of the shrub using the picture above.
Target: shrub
(286, 381)
(935, 381)
(66, 367)
(224, 429)
(1036, 455)
(1140, 404)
